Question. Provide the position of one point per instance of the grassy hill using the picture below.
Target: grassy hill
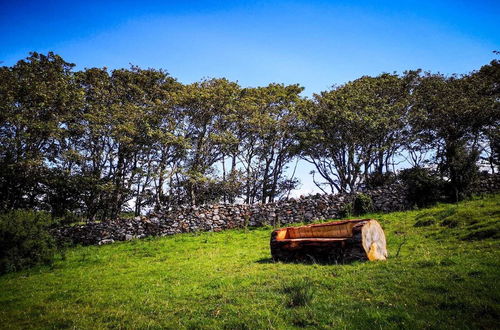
(447, 275)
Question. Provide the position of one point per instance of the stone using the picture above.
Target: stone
(106, 241)
(168, 221)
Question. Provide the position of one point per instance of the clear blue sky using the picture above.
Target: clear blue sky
(314, 43)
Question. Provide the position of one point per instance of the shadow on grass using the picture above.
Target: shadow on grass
(310, 261)
(265, 261)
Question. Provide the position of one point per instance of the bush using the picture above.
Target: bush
(376, 180)
(362, 204)
(425, 187)
(463, 172)
(346, 210)
(69, 218)
(25, 240)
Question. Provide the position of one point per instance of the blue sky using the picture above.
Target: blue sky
(314, 43)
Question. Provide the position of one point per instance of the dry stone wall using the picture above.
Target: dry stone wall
(227, 216)
(219, 217)
(487, 183)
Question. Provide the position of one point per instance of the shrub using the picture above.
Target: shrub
(425, 187)
(362, 204)
(346, 210)
(69, 218)
(25, 240)
(375, 180)
(462, 170)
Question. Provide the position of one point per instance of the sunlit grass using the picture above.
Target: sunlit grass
(446, 276)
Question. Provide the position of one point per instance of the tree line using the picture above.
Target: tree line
(95, 142)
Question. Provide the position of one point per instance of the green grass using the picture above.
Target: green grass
(446, 276)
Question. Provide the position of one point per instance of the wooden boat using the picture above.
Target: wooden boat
(337, 241)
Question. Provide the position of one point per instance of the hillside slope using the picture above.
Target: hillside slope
(446, 275)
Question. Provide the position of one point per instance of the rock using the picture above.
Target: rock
(106, 241)
(186, 218)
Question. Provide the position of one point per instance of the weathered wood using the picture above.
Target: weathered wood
(338, 241)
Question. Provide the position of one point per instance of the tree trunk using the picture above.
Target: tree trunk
(338, 241)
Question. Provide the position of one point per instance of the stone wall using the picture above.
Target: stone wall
(226, 216)
(487, 183)
(219, 217)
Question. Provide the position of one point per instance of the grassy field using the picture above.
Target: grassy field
(447, 275)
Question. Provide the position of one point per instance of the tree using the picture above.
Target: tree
(268, 146)
(95, 143)
(451, 114)
(38, 97)
(207, 106)
(489, 77)
(354, 129)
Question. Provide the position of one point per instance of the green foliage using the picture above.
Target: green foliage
(25, 240)
(464, 172)
(440, 279)
(362, 204)
(489, 75)
(347, 210)
(377, 179)
(38, 98)
(95, 141)
(452, 114)
(354, 129)
(425, 187)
